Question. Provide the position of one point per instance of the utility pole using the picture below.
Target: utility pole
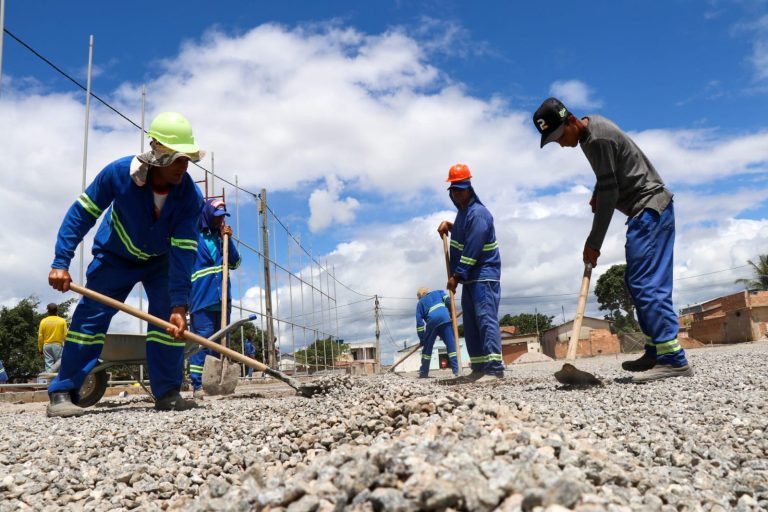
(536, 318)
(563, 308)
(2, 32)
(267, 283)
(378, 333)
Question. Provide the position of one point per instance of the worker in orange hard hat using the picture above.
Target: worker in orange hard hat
(476, 264)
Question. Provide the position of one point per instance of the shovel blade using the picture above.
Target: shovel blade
(572, 376)
(219, 377)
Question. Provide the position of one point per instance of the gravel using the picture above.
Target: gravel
(396, 444)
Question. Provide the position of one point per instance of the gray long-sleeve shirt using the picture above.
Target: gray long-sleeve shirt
(626, 179)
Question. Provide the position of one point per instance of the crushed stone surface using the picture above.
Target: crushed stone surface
(397, 444)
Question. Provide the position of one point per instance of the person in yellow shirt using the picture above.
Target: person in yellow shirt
(50, 337)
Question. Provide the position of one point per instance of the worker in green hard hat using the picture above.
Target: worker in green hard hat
(148, 235)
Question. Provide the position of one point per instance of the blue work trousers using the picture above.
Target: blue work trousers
(204, 322)
(445, 331)
(649, 251)
(115, 277)
(480, 303)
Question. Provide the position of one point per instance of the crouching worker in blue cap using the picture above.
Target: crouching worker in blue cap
(207, 279)
(149, 236)
(433, 319)
(476, 264)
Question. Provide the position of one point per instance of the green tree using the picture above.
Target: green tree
(614, 297)
(18, 337)
(527, 323)
(760, 279)
(321, 353)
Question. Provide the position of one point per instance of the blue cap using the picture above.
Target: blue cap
(462, 185)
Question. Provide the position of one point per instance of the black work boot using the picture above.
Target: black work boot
(643, 364)
(61, 406)
(172, 401)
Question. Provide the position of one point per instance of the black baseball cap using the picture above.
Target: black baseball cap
(550, 120)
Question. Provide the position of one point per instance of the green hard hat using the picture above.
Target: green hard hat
(173, 131)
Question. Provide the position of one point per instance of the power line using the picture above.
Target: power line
(233, 185)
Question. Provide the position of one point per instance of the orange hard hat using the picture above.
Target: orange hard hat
(458, 172)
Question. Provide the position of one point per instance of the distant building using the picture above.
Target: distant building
(287, 363)
(739, 317)
(363, 358)
(595, 339)
(514, 345)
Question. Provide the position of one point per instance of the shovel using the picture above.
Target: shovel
(307, 390)
(220, 375)
(569, 374)
(453, 303)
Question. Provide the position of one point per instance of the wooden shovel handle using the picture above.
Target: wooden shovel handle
(224, 283)
(454, 322)
(195, 338)
(409, 354)
(573, 344)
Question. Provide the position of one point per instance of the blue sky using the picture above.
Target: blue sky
(350, 114)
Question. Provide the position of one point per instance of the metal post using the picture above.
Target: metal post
(312, 297)
(328, 301)
(239, 290)
(85, 143)
(301, 291)
(290, 298)
(141, 144)
(335, 303)
(277, 292)
(213, 177)
(2, 32)
(270, 357)
(378, 333)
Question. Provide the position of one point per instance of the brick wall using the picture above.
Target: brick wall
(758, 299)
(734, 302)
(600, 342)
(708, 330)
(512, 351)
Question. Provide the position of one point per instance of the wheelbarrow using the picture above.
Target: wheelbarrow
(126, 349)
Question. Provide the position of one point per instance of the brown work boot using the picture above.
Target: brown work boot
(172, 401)
(642, 364)
(61, 406)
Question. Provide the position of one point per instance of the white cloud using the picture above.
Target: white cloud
(372, 117)
(575, 94)
(326, 208)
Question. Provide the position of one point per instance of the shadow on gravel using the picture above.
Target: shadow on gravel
(248, 396)
(623, 380)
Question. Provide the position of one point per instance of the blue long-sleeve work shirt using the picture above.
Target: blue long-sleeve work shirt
(130, 230)
(474, 249)
(432, 311)
(208, 269)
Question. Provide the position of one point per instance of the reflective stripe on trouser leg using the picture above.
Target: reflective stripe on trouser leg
(165, 354)
(90, 322)
(203, 323)
(445, 331)
(487, 295)
(472, 338)
(426, 352)
(649, 251)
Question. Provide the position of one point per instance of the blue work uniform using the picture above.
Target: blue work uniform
(476, 262)
(205, 303)
(250, 351)
(433, 319)
(133, 244)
